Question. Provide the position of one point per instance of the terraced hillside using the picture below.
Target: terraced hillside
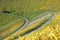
(21, 17)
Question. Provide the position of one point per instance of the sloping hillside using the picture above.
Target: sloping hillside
(30, 10)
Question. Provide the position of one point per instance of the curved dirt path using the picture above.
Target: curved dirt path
(33, 24)
(20, 28)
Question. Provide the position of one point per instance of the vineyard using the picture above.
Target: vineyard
(29, 19)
